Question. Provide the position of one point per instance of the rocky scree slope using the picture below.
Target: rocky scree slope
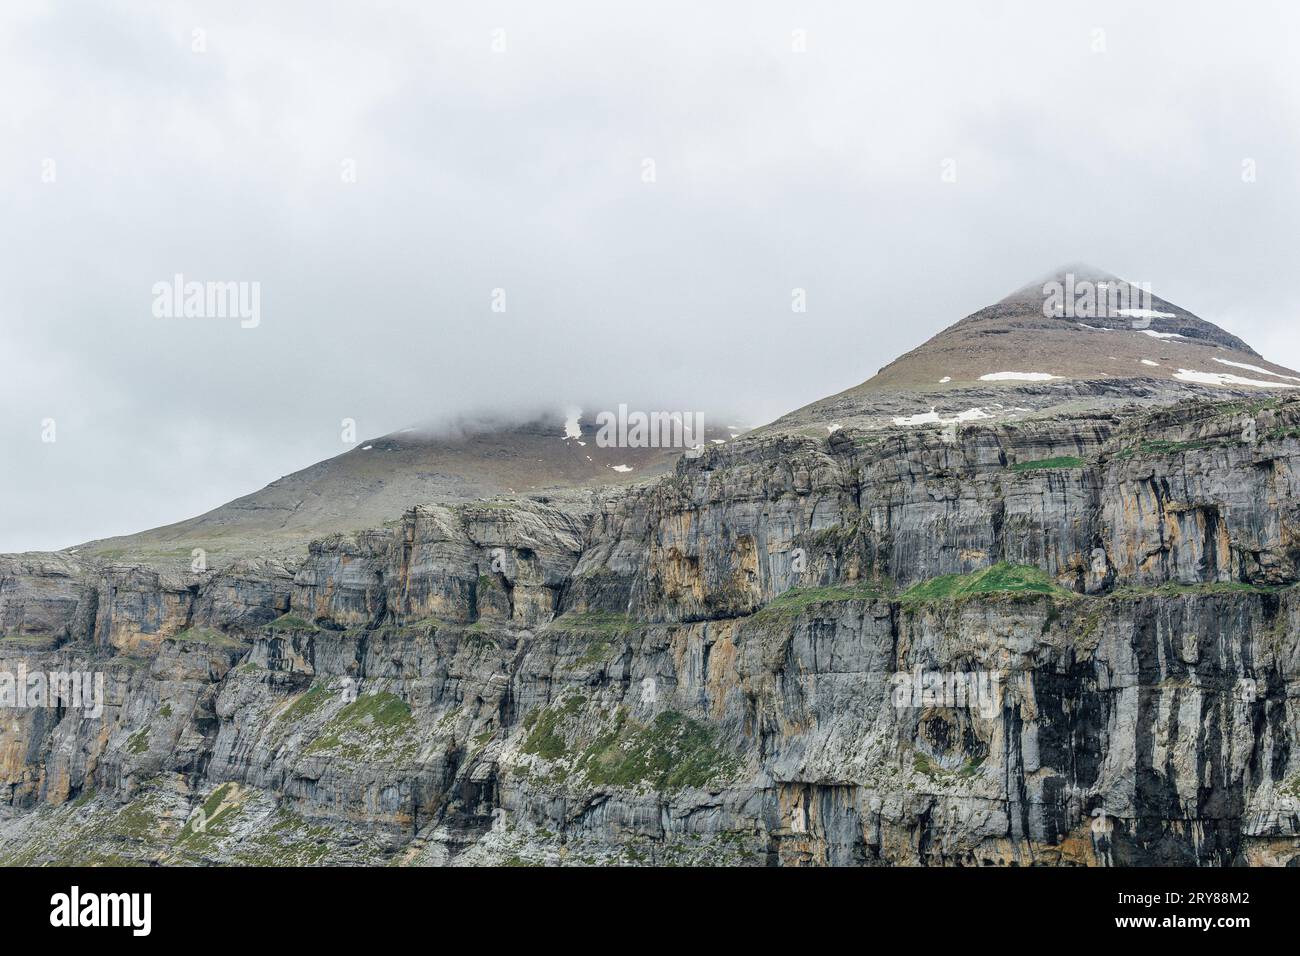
(701, 670)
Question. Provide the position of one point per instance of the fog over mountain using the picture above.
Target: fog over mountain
(647, 184)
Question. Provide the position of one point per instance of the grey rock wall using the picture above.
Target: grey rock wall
(706, 669)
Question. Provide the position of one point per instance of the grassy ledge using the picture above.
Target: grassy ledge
(290, 622)
(1161, 447)
(1063, 461)
(608, 623)
(793, 601)
(203, 635)
(1174, 589)
(1002, 578)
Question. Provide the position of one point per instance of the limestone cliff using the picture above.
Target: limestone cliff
(706, 668)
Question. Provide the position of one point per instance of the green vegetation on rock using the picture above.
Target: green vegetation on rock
(1001, 578)
(595, 652)
(1162, 446)
(372, 726)
(289, 841)
(30, 640)
(290, 622)
(213, 803)
(1282, 432)
(381, 710)
(543, 740)
(307, 703)
(202, 635)
(203, 830)
(1173, 589)
(922, 764)
(793, 601)
(1064, 461)
(600, 622)
(673, 752)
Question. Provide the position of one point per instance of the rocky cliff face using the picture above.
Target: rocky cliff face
(1065, 641)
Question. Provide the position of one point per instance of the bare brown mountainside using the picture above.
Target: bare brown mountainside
(1029, 353)
(374, 482)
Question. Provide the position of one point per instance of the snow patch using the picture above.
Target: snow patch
(833, 428)
(945, 380)
(933, 418)
(622, 467)
(1159, 335)
(1255, 368)
(1145, 314)
(1017, 377)
(572, 428)
(1149, 362)
(1224, 378)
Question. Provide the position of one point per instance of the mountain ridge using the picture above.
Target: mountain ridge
(1095, 362)
(1011, 359)
(376, 480)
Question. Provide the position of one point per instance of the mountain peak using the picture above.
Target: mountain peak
(477, 457)
(1078, 335)
(1080, 271)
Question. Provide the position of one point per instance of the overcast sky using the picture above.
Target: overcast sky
(226, 155)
